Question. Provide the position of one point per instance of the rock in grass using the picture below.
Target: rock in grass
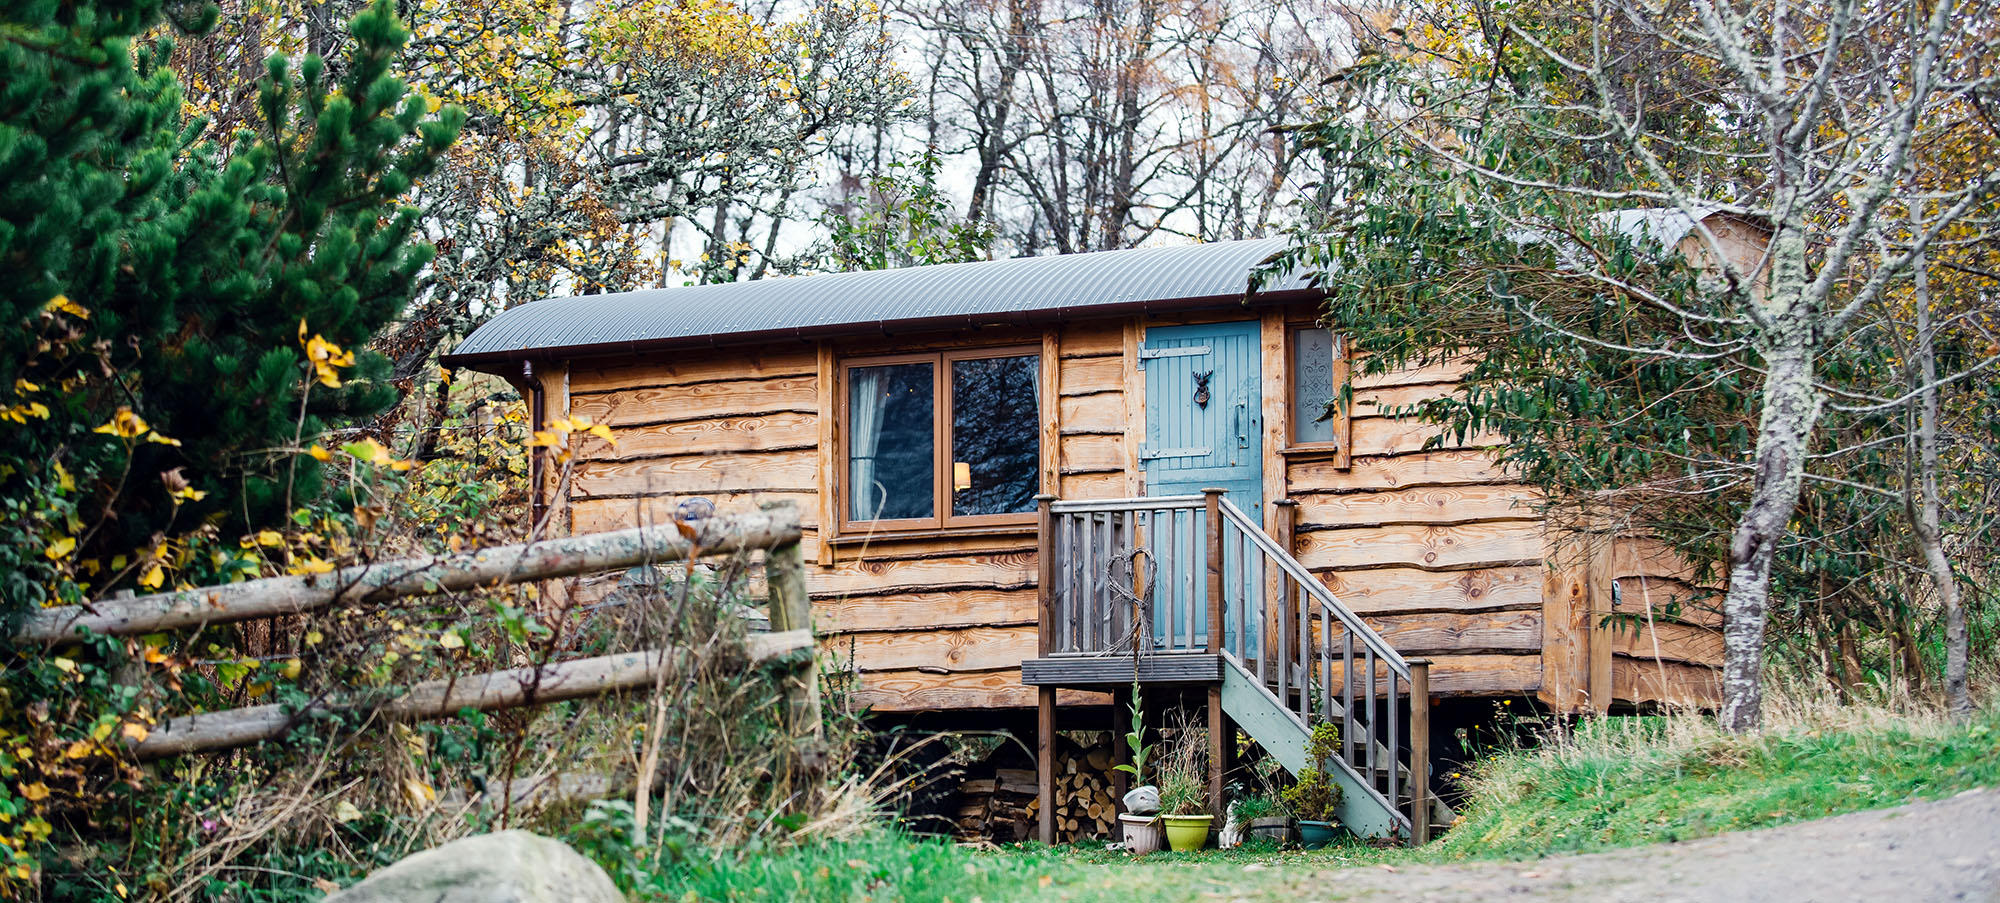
(505, 867)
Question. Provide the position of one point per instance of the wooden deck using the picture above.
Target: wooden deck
(1101, 672)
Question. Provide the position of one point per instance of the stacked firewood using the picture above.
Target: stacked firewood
(1000, 808)
(1005, 806)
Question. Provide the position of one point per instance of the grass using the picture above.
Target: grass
(1615, 783)
(1661, 779)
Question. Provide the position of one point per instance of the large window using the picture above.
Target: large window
(942, 440)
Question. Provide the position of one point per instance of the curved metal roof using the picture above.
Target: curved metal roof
(1015, 291)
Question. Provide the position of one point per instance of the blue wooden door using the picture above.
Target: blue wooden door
(1205, 428)
(1205, 411)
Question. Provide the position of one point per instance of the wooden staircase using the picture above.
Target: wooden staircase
(1188, 590)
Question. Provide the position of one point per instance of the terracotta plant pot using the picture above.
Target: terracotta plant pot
(1315, 834)
(1142, 833)
(1276, 828)
(1186, 833)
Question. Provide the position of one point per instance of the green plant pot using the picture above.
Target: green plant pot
(1186, 833)
(1315, 834)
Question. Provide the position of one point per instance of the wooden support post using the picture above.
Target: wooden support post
(1420, 750)
(1217, 749)
(1284, 529)
(1121, 753)
(1214, 501)
(1213, 498)
(1045, 762)
(791, 609)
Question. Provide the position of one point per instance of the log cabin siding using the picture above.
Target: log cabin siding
(1436, 547)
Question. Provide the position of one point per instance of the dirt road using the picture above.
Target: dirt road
(1943, 850)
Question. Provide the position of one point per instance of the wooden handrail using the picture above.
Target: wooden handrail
(1329, 603)
(1143, 503)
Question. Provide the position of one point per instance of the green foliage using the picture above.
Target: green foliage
(1314, 796)
(906, 221)
(1251, 807)
(877, 865)
(162, 293)
(1648, 780)
(1183, 772)
(1136, 740)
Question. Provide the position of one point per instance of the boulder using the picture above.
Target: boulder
(504, 867)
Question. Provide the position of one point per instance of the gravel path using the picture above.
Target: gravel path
(1943, 850)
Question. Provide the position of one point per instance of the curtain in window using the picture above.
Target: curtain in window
(864, 426)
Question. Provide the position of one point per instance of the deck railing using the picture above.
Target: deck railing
(1194, 573)
(1128, 569)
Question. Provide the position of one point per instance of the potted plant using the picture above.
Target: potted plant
(1314, 799)
(1263, 817)
(1183, 794)
(1140, 823)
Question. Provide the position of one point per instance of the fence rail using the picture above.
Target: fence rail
(775, 530)
(541, 560)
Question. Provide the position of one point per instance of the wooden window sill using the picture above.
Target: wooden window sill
(1326, 450)
(883, 537)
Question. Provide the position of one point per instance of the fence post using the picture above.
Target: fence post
(791, 609)
(1213, 499)
(1045, 573)
(1420, 750)
(1045, 697)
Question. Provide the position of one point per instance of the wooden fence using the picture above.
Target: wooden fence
(774, 530)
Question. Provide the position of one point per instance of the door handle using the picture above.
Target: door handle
(1236, 419)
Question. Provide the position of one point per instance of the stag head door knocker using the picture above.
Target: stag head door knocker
(1201, 388)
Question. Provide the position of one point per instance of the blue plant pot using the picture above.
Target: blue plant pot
(1315, 834)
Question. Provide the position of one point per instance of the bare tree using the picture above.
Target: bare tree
(1805, 120)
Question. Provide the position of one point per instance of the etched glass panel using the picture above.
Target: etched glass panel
(1313, 394)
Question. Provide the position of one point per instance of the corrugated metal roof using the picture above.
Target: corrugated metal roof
(1019, 290)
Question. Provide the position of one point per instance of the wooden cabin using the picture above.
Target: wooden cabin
(972, 446)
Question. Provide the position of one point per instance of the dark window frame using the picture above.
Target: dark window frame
(941, 441)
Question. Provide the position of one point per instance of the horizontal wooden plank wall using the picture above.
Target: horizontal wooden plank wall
(917, 624)
(1446, 556)
(1666, 638)
(1437, 547)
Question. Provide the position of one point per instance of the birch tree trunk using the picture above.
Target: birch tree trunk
(1927, 516)
(1790, 408)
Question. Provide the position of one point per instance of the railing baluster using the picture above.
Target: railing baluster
(1306, 647)
(1283, 654)
(1197, 586)
(1346, 691)
(1370, 742)
(1106, 550)
(1066, 566)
